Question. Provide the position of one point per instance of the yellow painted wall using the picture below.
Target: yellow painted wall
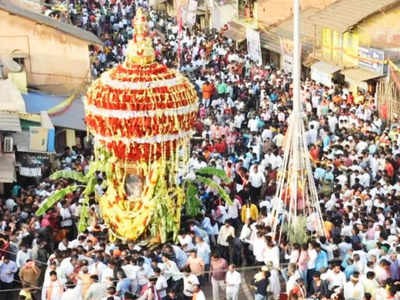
(327, 44)
(351, 42)
(53, 57)
(381, 30)
(340, 49)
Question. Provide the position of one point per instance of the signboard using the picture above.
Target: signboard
(287, 49)
(254, 45)
(287, 54)
(38, 138)
(369, 58)
(190, 13)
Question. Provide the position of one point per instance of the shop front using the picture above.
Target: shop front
(360, 79)
(33, 166)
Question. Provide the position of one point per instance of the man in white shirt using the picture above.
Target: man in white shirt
(131, 272)
(233, 211)
(312, 254)
(336, 277)
(66, 268)
(225, 232)
(271, 254)
(171, 271)
(253, 125)
(71, 292)
(233, 280)
(189, 282)
(354, 290)
(161, 283)
(256, 179)
(97, 268)
(108, 273)
(22, 256)
(259, 247)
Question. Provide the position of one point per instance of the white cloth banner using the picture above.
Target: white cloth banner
(30, 172)
(191, 13)
(254, 45)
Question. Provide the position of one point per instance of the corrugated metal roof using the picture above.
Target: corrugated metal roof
(7, 168)
(345, 14)
(359, 75)
(325, 67)
(236, 32)
(64, 27)
(9, 121)
(270, 38)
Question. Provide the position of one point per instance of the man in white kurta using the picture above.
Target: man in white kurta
(233, 280)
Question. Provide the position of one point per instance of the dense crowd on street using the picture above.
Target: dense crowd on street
(242, 121)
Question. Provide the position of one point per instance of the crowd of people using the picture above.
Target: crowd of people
(242, 121)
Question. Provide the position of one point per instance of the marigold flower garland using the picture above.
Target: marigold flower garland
(142, 114)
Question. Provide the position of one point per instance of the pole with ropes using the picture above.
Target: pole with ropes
(296, 208)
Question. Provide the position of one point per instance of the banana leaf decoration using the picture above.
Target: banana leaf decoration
(193, 203)
(84, 216)
(87, 181)
(54, 198)
(204, 176)
(212, 184)
(214, 172)
(74, 175)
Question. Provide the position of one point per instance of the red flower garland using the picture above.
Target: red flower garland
(150, 99)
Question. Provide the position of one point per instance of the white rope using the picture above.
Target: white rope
(144, 140)
(129, 114)
(295, 174)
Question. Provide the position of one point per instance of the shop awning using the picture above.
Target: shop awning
(235, 32)
(359, 75)
(9, 121)
(273, 36)
(322, 72)
(73, 117)
(7, 168)
(325, 67)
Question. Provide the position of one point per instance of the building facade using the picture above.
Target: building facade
(49, 52)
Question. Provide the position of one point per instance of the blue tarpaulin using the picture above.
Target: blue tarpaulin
(72, 118)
